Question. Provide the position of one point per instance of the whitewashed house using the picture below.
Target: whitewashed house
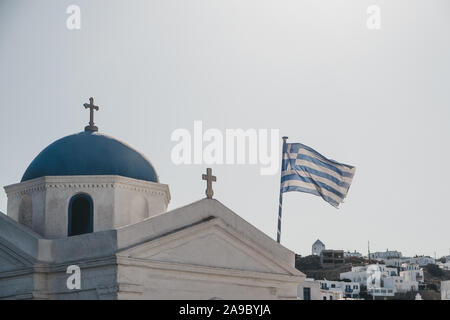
(381, 292)
(412, 271)
(382, 255)
(312, 289)
(444, 266)
(398, 262)
(381, 280)
(353, 254)
(422, 260)
(317, 248)
(400, 284)
(309, 290)
(360, 274)
(445, 290)
(348, 289)
(357, 274)
(395, 262)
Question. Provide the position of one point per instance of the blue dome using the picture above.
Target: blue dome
(90, 153)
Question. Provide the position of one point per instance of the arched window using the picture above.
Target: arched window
(81, 215)
(25, 211)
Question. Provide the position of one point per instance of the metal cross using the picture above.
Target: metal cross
(90, 105)
(209, 180)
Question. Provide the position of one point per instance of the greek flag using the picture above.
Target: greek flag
(306, 170)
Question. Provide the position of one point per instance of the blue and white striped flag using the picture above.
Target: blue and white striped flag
(306, 170)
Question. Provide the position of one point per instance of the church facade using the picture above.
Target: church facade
(93, 202)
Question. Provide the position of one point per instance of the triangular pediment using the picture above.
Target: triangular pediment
(211, 244)
(11, 260)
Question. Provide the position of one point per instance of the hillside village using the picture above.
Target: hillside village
(386, 275)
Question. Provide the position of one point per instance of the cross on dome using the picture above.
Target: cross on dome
(92, 107)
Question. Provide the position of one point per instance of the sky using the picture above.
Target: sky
(375, 99)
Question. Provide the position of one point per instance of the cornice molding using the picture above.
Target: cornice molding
(83, 182)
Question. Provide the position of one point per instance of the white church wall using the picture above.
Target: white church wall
(38, 214)
(144, 282)
(19, 286)
(84, 247)
(25, 211)
(139, 209)
(57, 206)
(20, 236)
(143, 260)
(195, 213)
(204, 260)
(21, 196)
(117, 201)
(13, 205)
(445, 290)
(134, 206)
(311, 285)
(138, 200)
(98, 280)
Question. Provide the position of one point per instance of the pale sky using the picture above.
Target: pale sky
(375, 99)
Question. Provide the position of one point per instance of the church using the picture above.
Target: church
(91, 201)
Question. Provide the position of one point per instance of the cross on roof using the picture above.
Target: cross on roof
(209, 180)
(92, 107)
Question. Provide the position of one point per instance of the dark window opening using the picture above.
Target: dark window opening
(80, 215)
(306, 293)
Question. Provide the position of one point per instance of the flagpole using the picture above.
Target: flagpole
(280, 204)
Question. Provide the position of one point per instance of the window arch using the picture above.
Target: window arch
(81, 215)
(26, 211)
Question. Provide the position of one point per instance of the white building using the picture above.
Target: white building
(361, 274)
(395, 262)
(92, 201)
(309, 290)
(353, 254)
(409, 279)
(312, 289)
(381, 280)
(382, 255)
(317, 248)
(444, 266)
(422, 260)
(398, 262)
(412, 271)
(348, 289)
(445, 290)
(400, 284)
(381, 292)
